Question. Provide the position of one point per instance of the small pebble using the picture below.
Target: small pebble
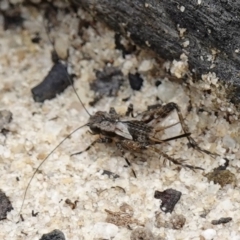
(209, 234)
(175, 221)
(54, 235)
(141, 234)
(222, 177)
(105, 230)
(145, 66)
(5, 205)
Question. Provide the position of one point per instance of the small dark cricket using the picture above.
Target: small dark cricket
(137, 134)
(132, 133)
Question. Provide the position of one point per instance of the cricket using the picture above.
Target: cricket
(135, 133)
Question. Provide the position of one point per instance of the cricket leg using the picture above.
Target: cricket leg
(99, 140)
(129, 111)
(131, 146)
(126, 144)
(191, 141)
(164, 111)
(179, 162)
(112, 111)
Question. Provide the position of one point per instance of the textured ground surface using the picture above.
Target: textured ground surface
(37, 128)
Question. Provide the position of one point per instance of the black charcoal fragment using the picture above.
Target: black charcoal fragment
(157, 83)
(34, 214)
(110, 174)
(221, 221)
(54, 235)
(135, 81)
(56, 81)
(169, 198)
(107, 82)
(5, 205)
(36, 38)
(12, 18)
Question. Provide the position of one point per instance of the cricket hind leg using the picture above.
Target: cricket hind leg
(179, 162)
(167, 109)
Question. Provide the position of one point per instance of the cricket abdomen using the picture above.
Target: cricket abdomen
(139, 131)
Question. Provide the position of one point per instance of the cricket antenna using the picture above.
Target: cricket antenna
(57, 59)
(39, 166)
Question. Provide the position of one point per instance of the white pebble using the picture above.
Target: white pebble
(228, 142)
(145, 65)
(105, 230)
(209, 234)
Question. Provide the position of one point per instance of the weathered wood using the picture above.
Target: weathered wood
(212, 29)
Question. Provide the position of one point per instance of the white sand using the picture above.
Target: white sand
(37, 128)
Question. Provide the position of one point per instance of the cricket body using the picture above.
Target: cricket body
(139, 133)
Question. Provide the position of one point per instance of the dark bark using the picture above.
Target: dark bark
(211, 25)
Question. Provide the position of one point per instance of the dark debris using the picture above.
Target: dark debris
(73, 205)
(169, 198)
(221, 221)
(54, 235)
(107, 82)
(141, 233)
(110, 174)
(12, 18)
(135, 81)
(34, 214)
(56, 81)
(222, 177)
(175, 221)
(157, 83)
(5, 118)
(36, 38)
(5, 205)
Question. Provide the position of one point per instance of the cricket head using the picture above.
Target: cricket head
(103, 122)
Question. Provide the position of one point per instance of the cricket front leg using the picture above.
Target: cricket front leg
(129, 111)
(131, 146)
(98, 140)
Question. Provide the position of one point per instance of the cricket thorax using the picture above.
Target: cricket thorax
(111, 125)
(103, 123)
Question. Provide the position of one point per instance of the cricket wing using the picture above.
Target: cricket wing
(121, 129)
